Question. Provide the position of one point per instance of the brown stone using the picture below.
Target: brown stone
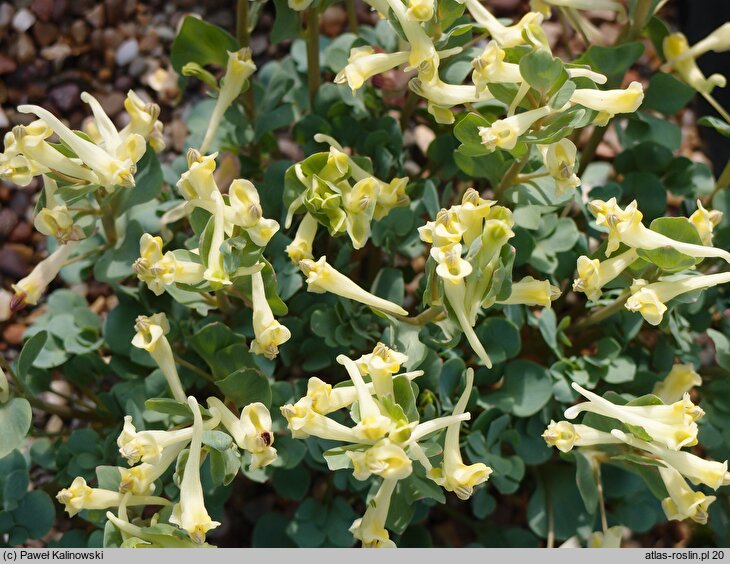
(43, 9)
(25, 51)
(45, 33)
(7, 65)
(13, 334)
(96, 16)
(22, 233)
(333, 21)
(79, 31)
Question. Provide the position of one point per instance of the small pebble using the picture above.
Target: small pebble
(25, 51)
(43, 9)
(13, 334)
(127, 52)
(6, 14)
(96, 16)
(65, 96)
(23, 20)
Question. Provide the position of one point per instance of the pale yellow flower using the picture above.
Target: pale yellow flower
(680, 380)
(564, 436)
(322, 277)
(671, 425)
(30, 289)
(79, 496)
(594, 274)
(454, 475)
(150, 336)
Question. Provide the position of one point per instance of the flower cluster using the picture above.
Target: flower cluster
(473, 263)
(335, 190)
(656, 428)
(82, 169)
(385, 441)
(152, 453)
(625, 228)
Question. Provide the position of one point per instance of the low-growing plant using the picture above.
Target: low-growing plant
(469, 296)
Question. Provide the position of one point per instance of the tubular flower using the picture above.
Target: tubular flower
(681, 58)
(33, 154)
(608, 103)
(382, 364)
(190, 513)
(140, 480)
(543, 6)
(454, 475)
(258, 438)
(303, 421)
(504, 133)
(114, 164)
(238, 70)
(373, 425)
(78, 496)
(447, 229)
(370, 528)
(421, 44)
(505, 36)
(671, 425)
(625, 227)
(143, 121)
(529, 291)
(326, 399)
(695, 469)
(321, 277)
(650, 299)
(383, 459)
(452, 269)
(420, 10)
(559, 159)
(472, 212)
(594, 274)
(564, 436)
(364, 63)
(269, 332)
(30, 289)
(705, 222)
(490, 67)
(148, 446)
(683, 503)
(197, 183)
(680, 380)
(159, 270)
(301, 247)
(245, 202)
(359, 203)
(442, 96)
(717, 41)
(216, 273)
(54, 218)
(150, 336)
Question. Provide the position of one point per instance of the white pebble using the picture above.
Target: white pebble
(127, 52)
(23, 20)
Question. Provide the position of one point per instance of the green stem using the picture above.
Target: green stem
(98, 250)
(589, 151)
(431, 314)
(313, 74)
(190, 366)
(718, 107)
(601, 314)
(510, 176)
(723, 181)
(599, 491)
(641, 14)
(408, 108)
(351, 16)
(244, 40)
(61, 410)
